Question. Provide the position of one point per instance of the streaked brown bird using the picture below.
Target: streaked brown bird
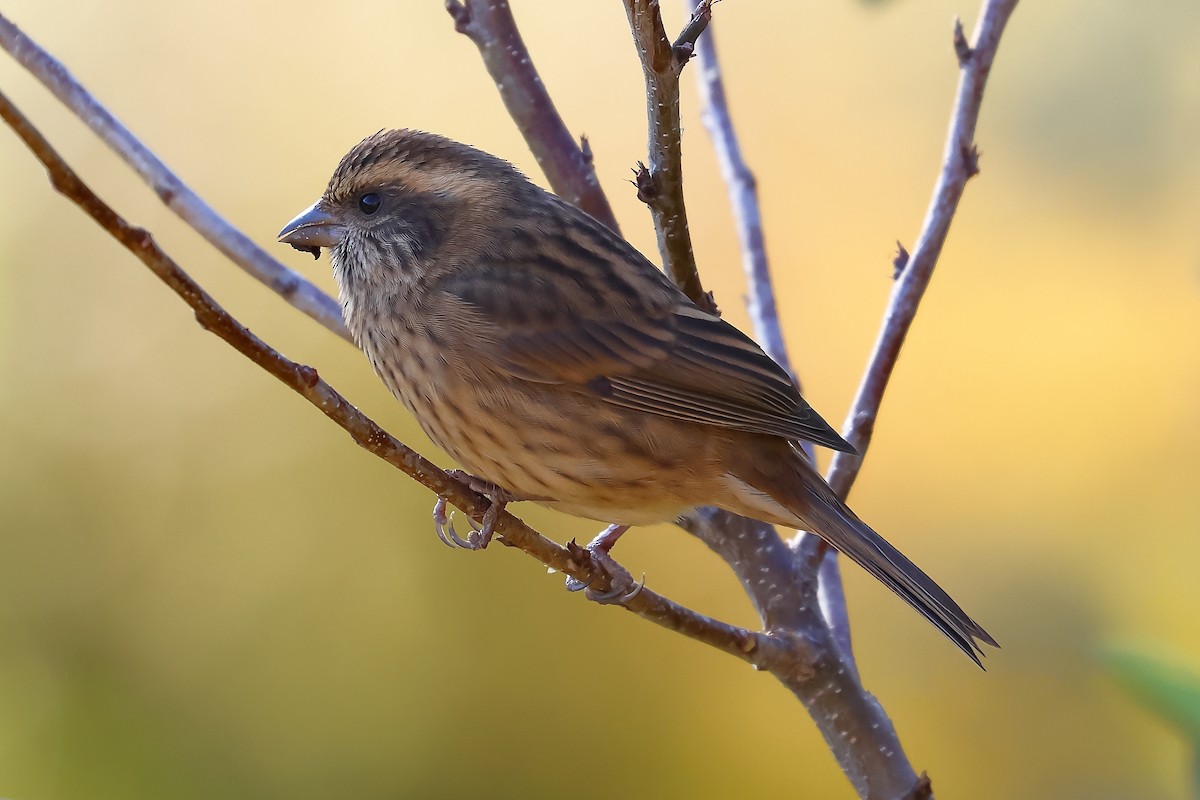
(551, 359)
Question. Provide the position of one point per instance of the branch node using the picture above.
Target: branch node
(900, 261)
(682, 53)
(580, 559)
(665, 197)
(802, 666)
(923, 790)
(961, 48)
(490, 26)
(647, 186)
(577, 556)
(585, 150)
(685, 44)
(460, 14)
(308, 375)
(970, 156)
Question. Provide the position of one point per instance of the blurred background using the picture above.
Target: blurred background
(207, 590)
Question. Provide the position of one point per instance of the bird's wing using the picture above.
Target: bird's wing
(603, 319)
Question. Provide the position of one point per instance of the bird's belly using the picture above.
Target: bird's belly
(619, 511)
(562, 448)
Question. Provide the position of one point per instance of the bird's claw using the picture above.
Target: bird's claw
(619, 594)
(481, 533)
(443, 525)
(576, 585)
(622, 588)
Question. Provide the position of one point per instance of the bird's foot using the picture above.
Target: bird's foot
(480, 535)
(621, 586)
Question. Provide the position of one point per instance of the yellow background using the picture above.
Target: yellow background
(206, 590)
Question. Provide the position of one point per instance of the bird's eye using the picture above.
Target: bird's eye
(369, 203)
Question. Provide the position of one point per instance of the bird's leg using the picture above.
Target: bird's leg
(479, 538)
(622, 587)
(607, 538)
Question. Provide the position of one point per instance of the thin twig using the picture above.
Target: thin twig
(174, 193)
(780, 655)
(960, 161)
(743, 198)
(959, 164)
(660, 184)
(764, 313)
(567, 165)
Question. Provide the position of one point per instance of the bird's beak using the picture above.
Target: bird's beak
(312, 229)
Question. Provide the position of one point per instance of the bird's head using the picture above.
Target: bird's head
(401, 197)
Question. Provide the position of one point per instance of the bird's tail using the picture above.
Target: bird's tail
(794, 484)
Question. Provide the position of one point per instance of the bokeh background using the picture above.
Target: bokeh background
(206, 590)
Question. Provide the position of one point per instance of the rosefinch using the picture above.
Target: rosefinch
(552, 360)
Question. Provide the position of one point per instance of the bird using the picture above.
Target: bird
(557, 364)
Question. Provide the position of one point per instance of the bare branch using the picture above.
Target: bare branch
(914, 271)
(854, 725)
(685, 43)
(828, 635)
(174, 193)
(567, 166)
(959, 164)
(660, 184)
(779, 655)
(743, 198)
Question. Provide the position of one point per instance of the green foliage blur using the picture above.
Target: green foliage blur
(1166, 688)
(206, 590)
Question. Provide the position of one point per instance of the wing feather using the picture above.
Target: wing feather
(606, 320)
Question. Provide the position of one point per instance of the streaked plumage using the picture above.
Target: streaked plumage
(551, 358)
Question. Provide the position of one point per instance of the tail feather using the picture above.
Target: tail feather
(830, 519)
(792, 483)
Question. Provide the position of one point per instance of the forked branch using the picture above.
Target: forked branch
(566, 165)
(960, 162)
